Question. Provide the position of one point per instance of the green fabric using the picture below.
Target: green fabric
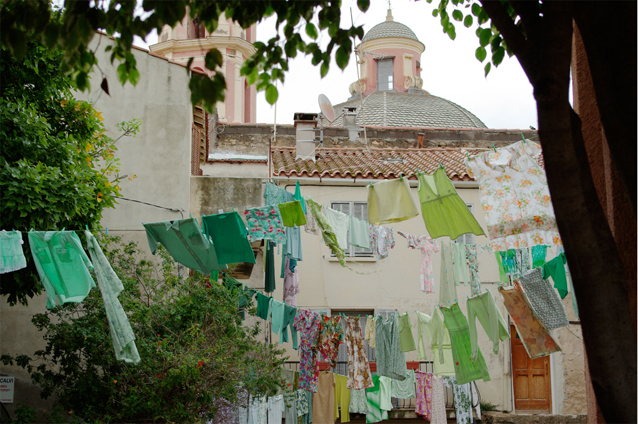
(292, 214)
(443, 211)
(283, 317)
(501, 271)
(110, 286)
(556, 269)
(269, 281)
(228, 233)
(62, 265)
(184, 240)
(459, 251)
(307, 418)
(298, 196)
(390, 201)
(328, 234)
(484, 308)
(375, 413)
(465, 369)
(359, 234)
(433, 329)
(404, 389)
(539, 253)
(263, 305)
(11, 253)
(293, 248)
(571, 289)
(405, 333)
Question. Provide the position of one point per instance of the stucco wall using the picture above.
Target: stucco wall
(160, 154)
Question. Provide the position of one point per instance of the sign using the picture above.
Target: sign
(6, 389)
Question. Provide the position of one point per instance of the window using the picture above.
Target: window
(385, 74)
(467, 238)
(358, 210)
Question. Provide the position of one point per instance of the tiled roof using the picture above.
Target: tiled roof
(389, 29)
(394, 109)
(371, 163)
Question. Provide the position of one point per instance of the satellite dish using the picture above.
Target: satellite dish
(326, 107)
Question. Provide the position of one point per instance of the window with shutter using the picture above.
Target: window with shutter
(385, 74)
(358, 210)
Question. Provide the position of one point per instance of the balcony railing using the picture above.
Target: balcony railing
(398, 404)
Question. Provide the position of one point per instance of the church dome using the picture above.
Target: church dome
(389, 29)
(395, 109)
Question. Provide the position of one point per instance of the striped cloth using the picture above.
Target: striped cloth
(375, 413)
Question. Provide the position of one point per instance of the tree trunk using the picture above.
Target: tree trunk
(613, 71)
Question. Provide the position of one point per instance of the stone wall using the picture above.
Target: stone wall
(254, 139)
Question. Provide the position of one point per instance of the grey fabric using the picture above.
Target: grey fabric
(390, 360)
(544, 299)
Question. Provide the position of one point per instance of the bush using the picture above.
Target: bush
(194, 349)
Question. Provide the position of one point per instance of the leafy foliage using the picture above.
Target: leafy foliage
(466, 11)
(57, 165)
(80, 20)
(194, 348)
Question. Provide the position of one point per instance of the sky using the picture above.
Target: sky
(449, 69)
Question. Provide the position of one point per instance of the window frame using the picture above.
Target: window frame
(387, 83)
(353, 251)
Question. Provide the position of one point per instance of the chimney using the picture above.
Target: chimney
(350, 122)
(305, 124)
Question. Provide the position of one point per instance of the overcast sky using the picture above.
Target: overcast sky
(449, 69)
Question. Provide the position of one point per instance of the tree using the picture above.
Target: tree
(195, 350)
(540, 35)
(79, 21)
(57, 165)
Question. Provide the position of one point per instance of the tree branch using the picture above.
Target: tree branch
(512, 35)
(529, 13)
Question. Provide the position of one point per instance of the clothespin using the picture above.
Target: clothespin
(468, 156)
(523, 137)
(106, 231)
(401, 177)
(494, 148)
(441, 165)
(370, 182)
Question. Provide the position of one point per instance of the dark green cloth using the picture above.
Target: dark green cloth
(246, 293)
(263, 305)
(187, 244)
(269, 283)
(228, 233)
(556, 269)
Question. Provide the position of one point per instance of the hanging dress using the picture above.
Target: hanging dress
(515, 197)
(359, 375)
(443, 210)
(390, 201)
(390, 360)
(447, 291)
(433, 329)
(466, 370)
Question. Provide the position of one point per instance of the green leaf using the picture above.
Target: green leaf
(487, 68)
(271, 94)
(435, 13)
(457, 15)
(484, 36)
(476, 9)
(325, 66)
(134, 76)
(311, 30)
(342, 56)
(121, 73)
(363, 5)
(497, 56)
(468, 21)
(480, 54)
(213, 59)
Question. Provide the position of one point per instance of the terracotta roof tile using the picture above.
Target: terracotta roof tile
(371, 163)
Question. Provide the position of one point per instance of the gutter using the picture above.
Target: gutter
(345, 182)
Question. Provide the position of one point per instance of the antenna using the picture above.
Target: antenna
(326, 108)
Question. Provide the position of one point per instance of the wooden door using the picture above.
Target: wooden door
(532, 382)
